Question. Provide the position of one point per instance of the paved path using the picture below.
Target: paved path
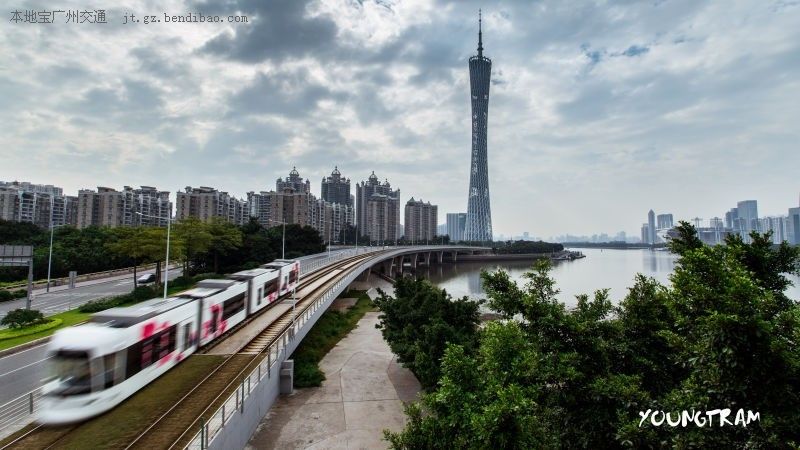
(363, 394)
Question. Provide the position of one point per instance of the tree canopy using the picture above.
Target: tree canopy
(722, 335)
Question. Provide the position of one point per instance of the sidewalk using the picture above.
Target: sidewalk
(363, 394)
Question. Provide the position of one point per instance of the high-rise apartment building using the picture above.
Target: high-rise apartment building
(748, 218)
(294, 182)
(39, 204)
(664, 221)
(479, 213)
(336, 189)
(793, 226)
(378, 210)
(420, 221)
(204, 203)
(107, 207)
(293, 203)
(651, 227)
(456, 223)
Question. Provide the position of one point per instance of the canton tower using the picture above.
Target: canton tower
(479, 213)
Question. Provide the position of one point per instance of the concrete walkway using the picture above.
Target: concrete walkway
(363, 394)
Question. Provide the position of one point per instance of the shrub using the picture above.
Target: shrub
(143, 293)
(23, 317)
(12, 295)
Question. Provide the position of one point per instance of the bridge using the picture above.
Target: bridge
(255, 370)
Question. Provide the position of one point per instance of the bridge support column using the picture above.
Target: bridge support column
(414, 261)
(398, 266)
(439, 257)
(287, 377)
(364, 276)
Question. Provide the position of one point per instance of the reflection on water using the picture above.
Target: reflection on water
(601, 269)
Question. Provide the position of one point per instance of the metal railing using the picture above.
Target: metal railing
(17, 413)
(274, 354)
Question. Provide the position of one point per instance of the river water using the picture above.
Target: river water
(602, 268)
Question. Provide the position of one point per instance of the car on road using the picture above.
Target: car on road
(146, 278)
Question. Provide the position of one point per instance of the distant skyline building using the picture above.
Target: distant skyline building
(793, 226)
(479, 215)
(456, 223)
(378, 210)
(336, 188)
(748, 218)
(420, 221)
(40, 204)
(664, 221)
(651, 227)
(206, 202)
(294, 181)
(108, 207)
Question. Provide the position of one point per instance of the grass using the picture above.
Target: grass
(68, 319)
(11, 333)
(326, 333)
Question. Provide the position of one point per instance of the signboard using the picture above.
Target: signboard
(15, 255)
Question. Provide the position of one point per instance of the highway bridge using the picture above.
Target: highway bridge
(223, 409)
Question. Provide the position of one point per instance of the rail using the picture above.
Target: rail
(235, 402)
(20, 411)
(17, 413)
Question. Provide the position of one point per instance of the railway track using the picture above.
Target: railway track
(173, 426)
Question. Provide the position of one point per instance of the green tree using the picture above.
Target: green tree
(420, 320)
(225, 238)
(193, 238)
(723, 335)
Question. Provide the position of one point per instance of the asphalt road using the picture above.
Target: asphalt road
(58, 301)
(23, 372)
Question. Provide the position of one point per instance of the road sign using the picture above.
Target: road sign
(15, 255)
(19, 255)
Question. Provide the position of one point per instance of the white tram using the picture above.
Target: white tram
(97, 365)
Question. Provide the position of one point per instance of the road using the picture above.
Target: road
(61, 300)
(22, 372)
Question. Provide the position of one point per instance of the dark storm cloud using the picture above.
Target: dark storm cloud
(280, 29)
(290, 94)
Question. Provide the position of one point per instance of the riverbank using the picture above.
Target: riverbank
(363, 393)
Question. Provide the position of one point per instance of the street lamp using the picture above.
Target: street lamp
(166, 262)
(283, 240)
(52, 229)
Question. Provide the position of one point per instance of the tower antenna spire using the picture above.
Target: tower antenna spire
(480, 35)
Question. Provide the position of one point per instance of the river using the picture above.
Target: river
(602, 268)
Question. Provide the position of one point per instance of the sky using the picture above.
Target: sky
(598, 111)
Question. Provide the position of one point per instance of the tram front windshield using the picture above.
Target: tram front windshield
(73, 372)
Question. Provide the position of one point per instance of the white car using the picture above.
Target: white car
(147, 278)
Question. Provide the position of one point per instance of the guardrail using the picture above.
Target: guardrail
(17, 413)
(85, 277)
(275, 354)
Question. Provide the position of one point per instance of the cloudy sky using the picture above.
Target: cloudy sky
(598, 111)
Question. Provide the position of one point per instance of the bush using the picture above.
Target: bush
(23, 317)
(12, 295)
(102, 304)
(143, 293)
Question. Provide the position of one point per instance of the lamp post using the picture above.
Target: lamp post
(283, 239)
(166, 262)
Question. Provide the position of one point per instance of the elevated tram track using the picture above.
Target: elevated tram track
(172, 429)
(248, 356)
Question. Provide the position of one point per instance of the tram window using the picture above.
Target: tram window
(232, 306)
(270, 287)
(143, 354)
(109, 367)
(259, 296)
(187, 336)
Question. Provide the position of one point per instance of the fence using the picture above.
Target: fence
(274, 354)
(17, 413)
